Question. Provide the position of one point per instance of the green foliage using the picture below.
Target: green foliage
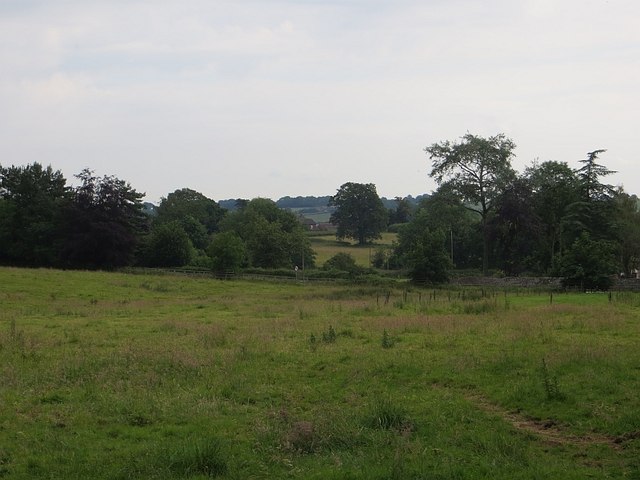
(387, 341)
(168, 245)
(329, 336)
(190, 207)
(555, 188)
(402, 212)
(550, 383)
(514, 227)
(313, 342)
(443, 211)
(344, 262)
(359, 214)
(477, 170)
(589, 264)
(380, 257)
(227, 251)
(273, 238)
(423, 252)
(595, 211)
(589, 176)
(31, 203)
(627, 227)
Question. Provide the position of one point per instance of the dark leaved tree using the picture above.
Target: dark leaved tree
(402, 212)
(595, 209)
(103, 223)
(515, 227)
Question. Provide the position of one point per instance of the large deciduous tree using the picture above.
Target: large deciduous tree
(515, 226)
(198, 215)
(555, 188)
(360, 213)
(31, 199)
(477, 169)
(103, 223)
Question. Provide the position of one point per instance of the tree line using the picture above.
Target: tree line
(551, 219)
(103, 224)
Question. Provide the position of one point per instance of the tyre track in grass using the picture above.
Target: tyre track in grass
(549, 431)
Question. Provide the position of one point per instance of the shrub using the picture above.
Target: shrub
(343, 262)
(589, 264)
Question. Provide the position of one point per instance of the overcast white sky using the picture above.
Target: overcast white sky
(296, 97)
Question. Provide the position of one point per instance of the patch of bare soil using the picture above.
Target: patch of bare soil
(548, 431)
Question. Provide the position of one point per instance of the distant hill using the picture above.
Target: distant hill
(303, 202)
(311, 204)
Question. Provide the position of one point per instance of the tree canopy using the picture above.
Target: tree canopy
(103, 223)
(31, 202)
(476, 169)
(360, 213)
(273, 238)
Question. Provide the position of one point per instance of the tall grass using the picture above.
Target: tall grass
(138, 376)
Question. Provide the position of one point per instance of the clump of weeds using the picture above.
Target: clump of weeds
(387, 341)
(329, 336)
(550, 383)
(384, 414)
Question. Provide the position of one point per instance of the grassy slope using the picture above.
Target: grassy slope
(121, 376)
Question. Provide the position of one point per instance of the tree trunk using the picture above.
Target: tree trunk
(485, 247)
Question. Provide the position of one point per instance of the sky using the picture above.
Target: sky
(245, 99)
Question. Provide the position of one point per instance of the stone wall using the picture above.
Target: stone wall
(504, 282)
(632, 284)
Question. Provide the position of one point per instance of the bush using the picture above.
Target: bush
(168, 245)
(344, 262)
(589, 264)
(228, 252)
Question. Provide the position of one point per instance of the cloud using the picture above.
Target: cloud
(218, 95)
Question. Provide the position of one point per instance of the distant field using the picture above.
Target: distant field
(319, 217)
(327, 246)
(322, 217)
(115, 376)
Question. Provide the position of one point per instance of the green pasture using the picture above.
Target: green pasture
(326, 246)
(120, 376)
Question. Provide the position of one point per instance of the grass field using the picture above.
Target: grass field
(326, 246)
(107, 375)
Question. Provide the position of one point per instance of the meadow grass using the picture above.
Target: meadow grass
(326, 246)
(108, 375)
